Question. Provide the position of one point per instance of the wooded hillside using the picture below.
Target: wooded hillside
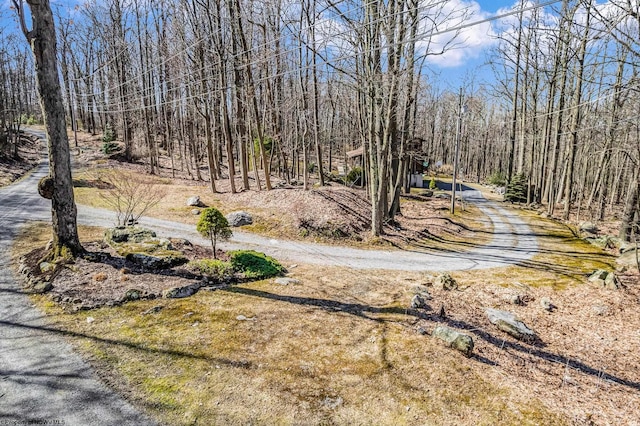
(261, 89)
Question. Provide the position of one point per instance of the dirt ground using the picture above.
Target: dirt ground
(333, 214)
(29, 155)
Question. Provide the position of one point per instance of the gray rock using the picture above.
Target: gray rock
(422, 331)
(514, 299)
(23, 269)
(332, 403)
(239, 218)
(180, 292)
(132, 294)
(427, 193)
(153, 310)
(600, 310)
(626, 247)
(627, 259)
(445, 282)
(134, 234)
(443, 195)
(546, 304)
(39, 287)
(602, 242)
(47, 267)
(454, 339)
(156, 262)
(419, 302)
(195, 212)
(423, 291)
(195, 201)
(588, 227)
(286, 281)
(605, 279)
(507, 322)
(244, 318)
(165, 244)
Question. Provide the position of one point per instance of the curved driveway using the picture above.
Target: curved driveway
(42, 379)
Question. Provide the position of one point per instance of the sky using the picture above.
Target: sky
(461, 65)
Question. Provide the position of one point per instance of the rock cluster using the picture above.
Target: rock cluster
(605, 279)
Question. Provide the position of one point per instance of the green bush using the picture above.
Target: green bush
(256, 265)
(108, 134)
(212, 268)
(516, 190)
(354, 175)
(29, 120)
(109, 147)
(432, 184)
(498, 178)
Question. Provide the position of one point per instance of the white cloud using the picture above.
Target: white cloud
(455, 43)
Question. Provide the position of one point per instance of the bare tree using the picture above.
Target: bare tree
(42, 37)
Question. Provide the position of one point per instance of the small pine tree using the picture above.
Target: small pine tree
(214, 225)
(516, 190)
(432, 184)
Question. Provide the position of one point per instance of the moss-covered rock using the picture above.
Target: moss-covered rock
(507, 322)
(121, 234)
(157, 260)
(445, 282)
(454, 339)
(605, 279)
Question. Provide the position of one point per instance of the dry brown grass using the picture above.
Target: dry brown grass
(338, 349)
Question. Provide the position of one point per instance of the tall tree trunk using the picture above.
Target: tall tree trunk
(43, 43)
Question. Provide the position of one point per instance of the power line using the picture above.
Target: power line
(423, 35)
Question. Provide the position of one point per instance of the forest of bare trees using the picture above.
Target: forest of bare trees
(253, 90)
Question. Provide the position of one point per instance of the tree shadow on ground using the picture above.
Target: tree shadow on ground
(534, 348)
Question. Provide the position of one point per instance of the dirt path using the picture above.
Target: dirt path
(42, 381)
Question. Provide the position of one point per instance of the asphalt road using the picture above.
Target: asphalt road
(42, 379)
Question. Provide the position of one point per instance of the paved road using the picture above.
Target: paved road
(42, 379)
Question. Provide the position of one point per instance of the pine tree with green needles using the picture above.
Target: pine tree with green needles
(214, 225)
(516, 190)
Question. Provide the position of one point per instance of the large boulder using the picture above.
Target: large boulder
(626, 247)
(602, 242)
(194, 201)
(588, 227)
(153, 262)
(240, 218)
(509, 323)
(180, 292)
(605, 279)
(454, 339)
(131, 234)
(627, 259)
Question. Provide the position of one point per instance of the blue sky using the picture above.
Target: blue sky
(456, 67)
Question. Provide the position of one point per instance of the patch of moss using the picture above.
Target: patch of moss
(255, 265)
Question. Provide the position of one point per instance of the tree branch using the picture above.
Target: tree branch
(19, 5)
